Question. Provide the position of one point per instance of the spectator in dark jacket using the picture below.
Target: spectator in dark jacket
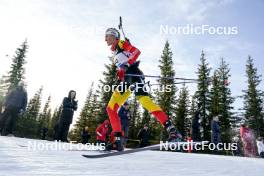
(215, 128)
(69, 106)
(196, 134)
(15, 103)
(85, 135)
(143, 136)
(124, 116)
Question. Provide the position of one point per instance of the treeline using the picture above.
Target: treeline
(31, 122)
(212, 97)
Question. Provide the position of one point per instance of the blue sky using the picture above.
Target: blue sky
(67, 49)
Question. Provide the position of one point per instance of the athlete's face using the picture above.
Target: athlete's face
(110, 39)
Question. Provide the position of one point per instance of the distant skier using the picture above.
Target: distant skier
(69, 106)
(15, 104)
(102, 132)
(125, 56)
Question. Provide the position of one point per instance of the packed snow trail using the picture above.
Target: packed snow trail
(16, 159)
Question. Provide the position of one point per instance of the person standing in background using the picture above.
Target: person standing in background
(69, 106)
(124, 115)
(196, 134)
(85, 135)
(215, 128)
(15, 104)
(143, 136)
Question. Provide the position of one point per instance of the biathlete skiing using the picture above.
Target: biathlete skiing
(126, 59)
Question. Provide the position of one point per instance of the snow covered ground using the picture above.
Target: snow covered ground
(16, 160)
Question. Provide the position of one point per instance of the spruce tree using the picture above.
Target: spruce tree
(225, 101)
(214, 96)
(135, 118)
(48, 122)
(253, 99)
(202, 95)
(3, 91)
(27, 125)
(145, 118)
(193, 106)
(17, 70)
(44, 117)
(157, 133)
(167, 99)
(54, 121)
(235, 122)
(182, 120)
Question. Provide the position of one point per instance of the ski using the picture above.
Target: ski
(151, 147)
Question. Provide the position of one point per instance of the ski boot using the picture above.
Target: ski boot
(174, 135)
(119, 141)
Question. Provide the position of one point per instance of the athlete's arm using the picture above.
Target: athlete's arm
(133, 50)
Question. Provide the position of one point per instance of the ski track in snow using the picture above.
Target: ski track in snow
(17, 160)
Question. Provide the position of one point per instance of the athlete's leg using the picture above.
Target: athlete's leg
(115, 102)
(153, 108)
(161, 116)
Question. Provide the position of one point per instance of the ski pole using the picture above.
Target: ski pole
(151, 76)
(183, 82)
